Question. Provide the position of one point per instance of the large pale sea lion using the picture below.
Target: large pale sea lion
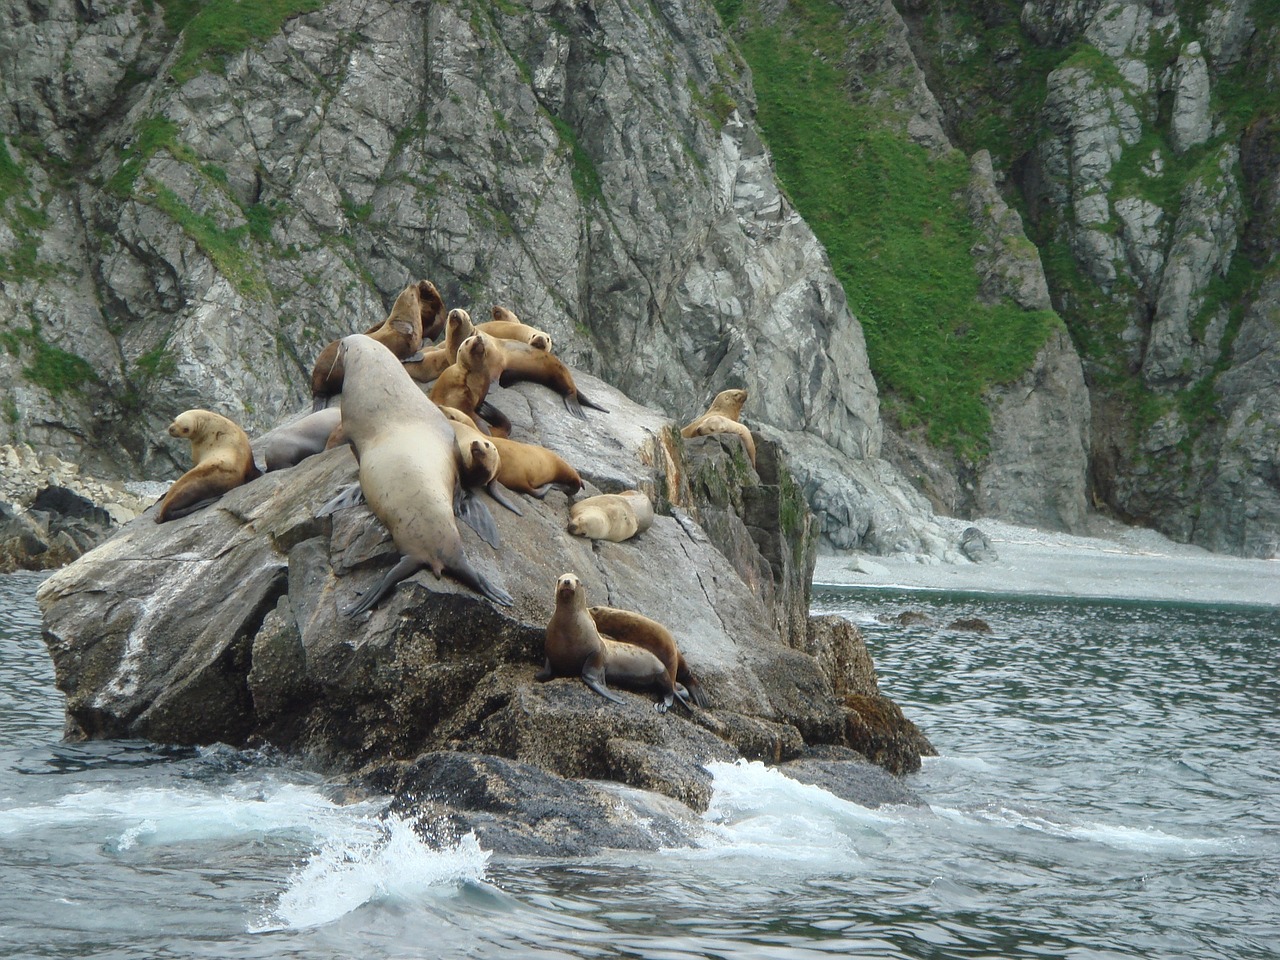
(627, 626)
(574, 648)
(408, 469)
(223, 460)
(400, 332)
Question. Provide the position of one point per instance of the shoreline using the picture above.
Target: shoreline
(1118, 563)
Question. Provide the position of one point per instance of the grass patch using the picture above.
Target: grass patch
(896, 227)
(227, 248)
(12, 180)
(152, 134)
(586, 179)
(217, 29)
(50, 367)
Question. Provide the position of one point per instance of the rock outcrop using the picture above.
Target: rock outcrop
(224, 625)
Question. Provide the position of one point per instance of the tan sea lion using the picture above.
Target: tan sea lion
(408, 470)
(574, 647)
(604, 517)
(425, 365)
(400, 332)
(457, 327)
(728, 403)
(643, 507)
(222, 457)
(714, 423)
(465, 384)
(505, 325)
(523, 467)
(474, 449)
(292, 443)
(627, 626)
(524, 363)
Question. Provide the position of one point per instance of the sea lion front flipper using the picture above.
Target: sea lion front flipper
(420, 355)
(593, 677)
(588, 402)
(406, 567)
(546, 673)
(348, 496)
(187, 509)
(542, 491)
(496, 490)
(501, 424)
(471, 511)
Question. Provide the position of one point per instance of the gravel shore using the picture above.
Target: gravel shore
(1119, 563)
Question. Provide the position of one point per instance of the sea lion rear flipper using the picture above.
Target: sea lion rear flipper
(420, 355)
(468, 575)
(496, 490)
(691, 686)
(406, 567)
(471, 511)
(681, 694)
(571, 404)
(593, 677)
(349, 496)
(588, 402)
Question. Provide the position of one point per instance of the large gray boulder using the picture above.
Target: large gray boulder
(224, 626)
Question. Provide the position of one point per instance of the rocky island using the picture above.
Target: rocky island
(224, 627)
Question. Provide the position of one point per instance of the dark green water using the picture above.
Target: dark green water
(1109, 786)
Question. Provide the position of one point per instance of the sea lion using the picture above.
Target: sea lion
(523, 467)
(465, 384)
(474, 449)
(574, 647)
(728, 403)
(400, 332)
(289, 445)
(408, 470)
(627, 626)
(457, 327)
(643, 507)
(425, 365)
(222, 457)
(522, 362)
(708, 424)
(505, 325)
(607, 516)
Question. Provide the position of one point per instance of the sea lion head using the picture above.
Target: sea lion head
(729, 403)
(472, 352)
(540, 341)
(458, 321)
(484, 458)
(568, 588)
(188, 425)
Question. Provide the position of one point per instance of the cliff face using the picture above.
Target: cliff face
(187, 218)
(1138, 139)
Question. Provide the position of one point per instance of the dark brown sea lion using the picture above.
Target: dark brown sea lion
(627, 626)
(223, 460)
(574, 647)
(408, 469)
(400, 332)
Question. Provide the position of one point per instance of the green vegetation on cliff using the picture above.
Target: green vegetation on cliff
(894, 220)
(213, 30)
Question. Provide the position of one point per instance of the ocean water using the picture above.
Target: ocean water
(1108, 786)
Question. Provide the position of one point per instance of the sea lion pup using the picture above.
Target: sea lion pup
(223, 461)
(708, 424)
(607, 516)
(574, 647)
(401, 333)
(627, 626)
(522, 362)
(408, 470)
(465, 384)
(289, 445)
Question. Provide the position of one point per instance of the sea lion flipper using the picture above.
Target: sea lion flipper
(186, 510)
(415, 358)
(348, 496)
(588, 402)
(571, 404)
(468, 575)
(501, 423)
(546, 673)
(369, 599)
(471, 511)
(593, 677)
(496, 490)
